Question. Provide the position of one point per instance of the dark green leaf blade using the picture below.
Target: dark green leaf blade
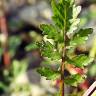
(48, 73)
(49, 51)
(84, 32)
(51, 32)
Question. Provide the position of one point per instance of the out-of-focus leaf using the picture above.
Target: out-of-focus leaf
(3, 86)
(32, 46)
(18, 67)
(1, 50)
(92, 70)
(14, 42)
(93, 49)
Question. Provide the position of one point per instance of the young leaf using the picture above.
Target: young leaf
(74, 21)
(58, 17)
(61, 17)
(76, 11)
(48, 73)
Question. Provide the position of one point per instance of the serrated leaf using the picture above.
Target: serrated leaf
(78, 41)
(74, 80)
(84, 32)
(49, 51)
(70, 2)
(80, 61)
(57, 8)
(58, 21)
(48, 73)
(61, 17)
(51, 32)
(48, 29)
(81, 37)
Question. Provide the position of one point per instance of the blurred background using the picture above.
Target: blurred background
(19, 28)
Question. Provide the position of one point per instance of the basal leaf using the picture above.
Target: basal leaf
(48, 73)
(74, 80)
